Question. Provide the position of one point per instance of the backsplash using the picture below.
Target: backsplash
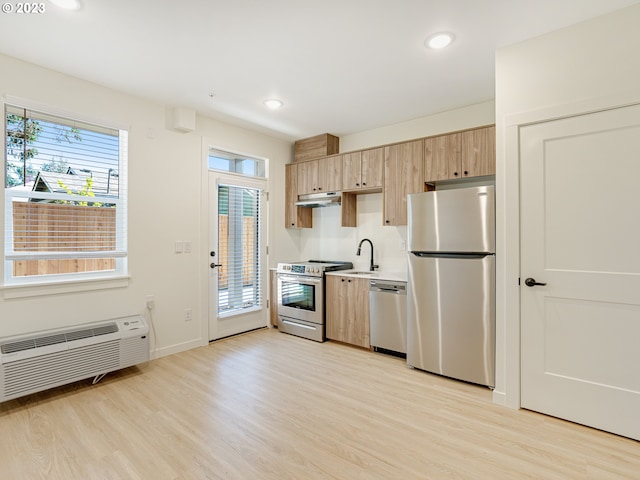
(327, 240)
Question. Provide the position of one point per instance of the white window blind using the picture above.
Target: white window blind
(65, 198)
(239, 247)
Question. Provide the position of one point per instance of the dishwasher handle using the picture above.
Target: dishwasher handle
(397, 288)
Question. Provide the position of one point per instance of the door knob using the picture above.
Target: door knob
(531, 282)
(214, 265)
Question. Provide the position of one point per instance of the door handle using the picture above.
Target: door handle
(214, 265)
(531, 282)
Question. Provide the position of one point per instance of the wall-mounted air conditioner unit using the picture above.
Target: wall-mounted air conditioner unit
(34, 362)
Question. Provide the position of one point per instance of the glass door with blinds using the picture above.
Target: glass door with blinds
(237, 255)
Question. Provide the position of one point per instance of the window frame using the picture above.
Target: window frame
(235, 158)
(14, 287)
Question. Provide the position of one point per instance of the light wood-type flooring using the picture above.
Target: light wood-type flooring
(266, 405)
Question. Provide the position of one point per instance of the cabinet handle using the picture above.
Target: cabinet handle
(349, 281)
(357, 184)
(466, 173)
(342, 279)
(386, 221)
(455, 174)
(364, 183)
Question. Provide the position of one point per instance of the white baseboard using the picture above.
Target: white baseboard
(177, 348)
(500, 398)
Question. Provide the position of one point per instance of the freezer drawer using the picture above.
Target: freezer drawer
(451, 316)
(459, 220)
(301, 328)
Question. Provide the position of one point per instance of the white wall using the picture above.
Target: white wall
(329, 241)
(458, 119)
(165, 205)
(589, 66)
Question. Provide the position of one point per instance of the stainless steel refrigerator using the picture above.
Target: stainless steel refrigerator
(451, 287)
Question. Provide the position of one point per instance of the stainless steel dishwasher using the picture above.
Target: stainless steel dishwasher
(388, 316)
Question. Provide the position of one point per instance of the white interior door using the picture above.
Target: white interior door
(237, 255)
(580, 234)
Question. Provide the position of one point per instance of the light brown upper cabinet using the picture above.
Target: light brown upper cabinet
(479, 152)
(307, 177)
(317, 176)
(294, 217)
(330, 174)
(403, 174)
(363, 170)
(442, 157)
(471, 153)
(316, 147)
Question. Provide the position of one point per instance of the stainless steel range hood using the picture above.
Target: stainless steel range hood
(324, 199)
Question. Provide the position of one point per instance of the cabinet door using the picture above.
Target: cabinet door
(330, 174)
(273, 297)
(403, 174)
(347, 312)
(358, 329)
(479, 152)
(307, 177)
(336, 307)
(442, 157)
(294, 217)
(372, 168)
(351, 171)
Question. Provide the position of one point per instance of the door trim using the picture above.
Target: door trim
(206, 144)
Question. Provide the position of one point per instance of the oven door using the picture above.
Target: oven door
(301, 297)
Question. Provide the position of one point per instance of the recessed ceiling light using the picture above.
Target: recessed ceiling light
(273, 103)
(439, 40)
(67, 4)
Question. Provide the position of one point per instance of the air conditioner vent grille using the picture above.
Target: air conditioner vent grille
(47, 340)
(61, 367)
(18, 346)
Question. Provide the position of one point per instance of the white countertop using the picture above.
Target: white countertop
(395, 276)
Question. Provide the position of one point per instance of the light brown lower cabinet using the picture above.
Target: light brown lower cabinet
(273, 298)
(347, 314)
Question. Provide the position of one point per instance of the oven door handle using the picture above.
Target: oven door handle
(300, 279)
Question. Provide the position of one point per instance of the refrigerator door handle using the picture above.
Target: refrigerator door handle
(452, 255)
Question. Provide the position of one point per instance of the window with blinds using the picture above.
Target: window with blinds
(65, 198)
(239, 247)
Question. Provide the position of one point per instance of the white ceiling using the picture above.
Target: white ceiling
(340, 66)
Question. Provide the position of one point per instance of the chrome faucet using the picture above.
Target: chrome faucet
(372, 267)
